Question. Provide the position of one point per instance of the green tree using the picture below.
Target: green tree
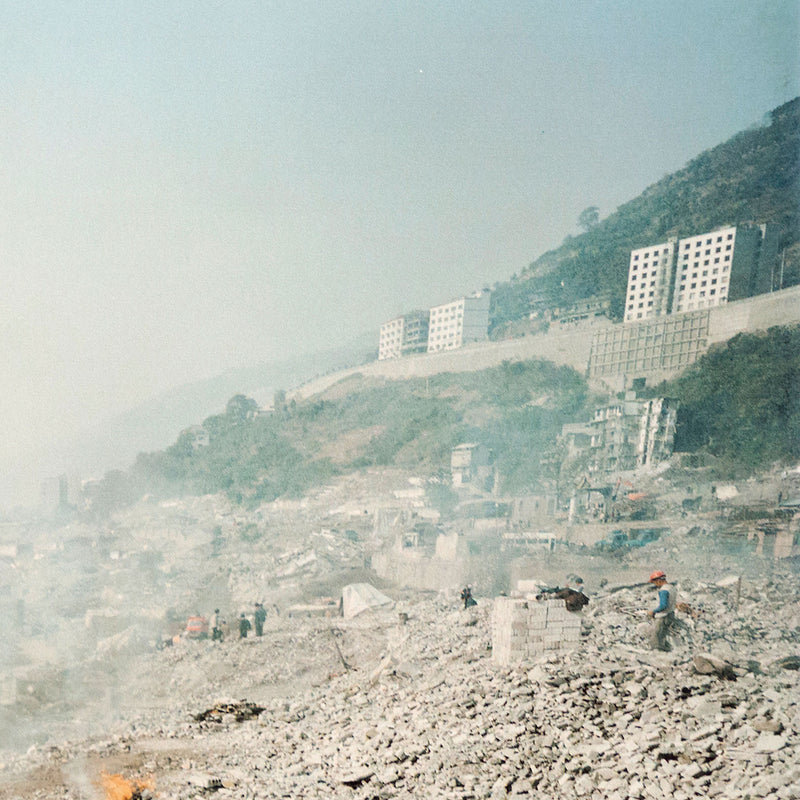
(589, 218)
(240, 408)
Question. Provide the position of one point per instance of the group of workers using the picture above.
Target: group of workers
(663, 615)
(218, 625)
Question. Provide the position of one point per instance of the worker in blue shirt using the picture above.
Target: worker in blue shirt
(663, 615)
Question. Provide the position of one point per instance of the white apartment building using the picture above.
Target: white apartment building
(649, 281)
(404, 336)
(700, 271)
(728, 264)
(391, 339)
(459, 322)
(703, 270)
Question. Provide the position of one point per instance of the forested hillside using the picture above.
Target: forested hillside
(753, 177)
(741, 401)
(516, 410)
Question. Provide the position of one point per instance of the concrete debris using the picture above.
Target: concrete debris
(418, 698)
(426, 711)
(707, 664)
(239, 712)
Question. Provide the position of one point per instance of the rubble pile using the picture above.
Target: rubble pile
(422, 710)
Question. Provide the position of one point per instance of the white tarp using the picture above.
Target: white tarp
(358, 597)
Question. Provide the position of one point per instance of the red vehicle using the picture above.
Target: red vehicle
(197, 628)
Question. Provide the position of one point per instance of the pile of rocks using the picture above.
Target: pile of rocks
(423, 711)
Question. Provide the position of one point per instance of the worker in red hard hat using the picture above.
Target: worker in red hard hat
(663, 615)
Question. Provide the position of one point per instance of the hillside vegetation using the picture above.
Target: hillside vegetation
(515, 409)
(753, 177)
(741, 401)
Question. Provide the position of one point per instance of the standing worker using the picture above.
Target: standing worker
(244, 626)
(260, 617)
(216, 626)
(663, 615)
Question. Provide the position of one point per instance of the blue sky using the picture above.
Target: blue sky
(194, 186)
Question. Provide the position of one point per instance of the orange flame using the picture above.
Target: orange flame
(119, 788)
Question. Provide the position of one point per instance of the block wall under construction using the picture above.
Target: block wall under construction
(526, 628)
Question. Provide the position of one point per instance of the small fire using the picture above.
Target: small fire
(119, 788)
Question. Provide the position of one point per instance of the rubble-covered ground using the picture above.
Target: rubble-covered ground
(407, 702)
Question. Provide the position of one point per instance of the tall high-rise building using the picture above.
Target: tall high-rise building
(727, 264)
(459, 322)
(700, 271)
(650, 281)
(404, 335)
(390, 339)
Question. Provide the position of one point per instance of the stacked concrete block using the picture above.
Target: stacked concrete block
(526, 628)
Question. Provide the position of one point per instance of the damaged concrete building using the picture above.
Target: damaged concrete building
(632, 433)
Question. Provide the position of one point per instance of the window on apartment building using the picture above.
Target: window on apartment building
(650, 304)
(693, 285)
(717, 249)
(727, 247)
(703, 283)
(713, 291)
(641, 305)
(705, 263)
(713, 281)
(651, 294)
(635, 256)
(730, 236)
(708, 241)
(702, 294)
(630, 307)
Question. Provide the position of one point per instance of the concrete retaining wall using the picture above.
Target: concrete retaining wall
(568, 345)
(754, 314)
(571, 345)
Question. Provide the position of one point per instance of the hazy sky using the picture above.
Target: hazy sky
(193, 186)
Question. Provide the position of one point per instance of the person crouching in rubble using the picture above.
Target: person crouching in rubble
(244, 626)
(466, 596)
(663, 615)
(574, 598)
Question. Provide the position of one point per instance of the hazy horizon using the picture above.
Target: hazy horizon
(191, 190)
